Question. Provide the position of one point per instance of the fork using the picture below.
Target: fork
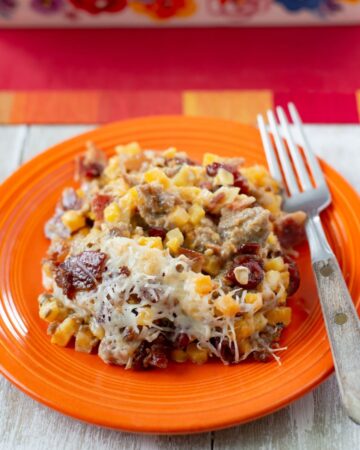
(341, 319)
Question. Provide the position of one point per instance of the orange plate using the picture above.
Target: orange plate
(183, 398)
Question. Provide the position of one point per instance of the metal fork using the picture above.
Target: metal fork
(341, 319)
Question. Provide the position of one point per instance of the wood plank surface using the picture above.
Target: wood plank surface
(316, 421)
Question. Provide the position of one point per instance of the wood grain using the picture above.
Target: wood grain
(12, 140)
(315, 422)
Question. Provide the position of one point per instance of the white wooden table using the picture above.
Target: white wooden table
(316, 421)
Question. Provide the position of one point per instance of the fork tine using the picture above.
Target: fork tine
(310, 156)
(294, 151)
(283, 155)
(269, 150)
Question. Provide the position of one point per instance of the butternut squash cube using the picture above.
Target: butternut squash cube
(203, 284)
(254, 299)
(174, 240)
(197, 355)
(210, 158)
(274, 264)
(157, 175)
(179, 217)
(280, 314)
(65, 331)
(227, 305)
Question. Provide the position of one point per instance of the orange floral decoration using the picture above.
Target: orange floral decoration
(164, 9)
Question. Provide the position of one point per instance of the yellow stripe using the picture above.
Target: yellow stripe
(358, 103)
(6, 104)
(242, 106)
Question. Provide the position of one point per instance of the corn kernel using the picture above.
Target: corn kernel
(260, 321)
(64, 332)
(152, 242)
(158, 176)
(174, 240)
(117, 187)
(280, 314)
(244, 327)
(203, 284)
(275, 205)
(130, 199)
(272, 239)
(144, 317)
(227, 306)
(80, 193)
(91, 215)
(196, 213)
(131, 149)
(212, 265)
(244, 346)
(169, 153)
(196, 355)
(179, 217)
(210, 158)
(96, 329)
(274, 264)
(254, 299)
(112, 170)
(224, 178)
(73, 220)
(273, 278)
(112, 213)
(85, 340)
(179, 355)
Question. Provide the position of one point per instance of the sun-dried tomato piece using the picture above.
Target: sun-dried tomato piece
(89, 170)
(124, 270)
(212, 169)
(215, 203)
(157, 232)
(182, 341)
(226, 348)
(241, 182)
(250, 248)
(256, 271)
(152, 354)
(294, 275)
(80, 272)
(91, 164)
(197, 259)
(98, 204)
(290, 229)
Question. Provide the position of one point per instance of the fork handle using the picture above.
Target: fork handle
(341, 319)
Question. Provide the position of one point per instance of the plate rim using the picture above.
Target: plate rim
(195, 429)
